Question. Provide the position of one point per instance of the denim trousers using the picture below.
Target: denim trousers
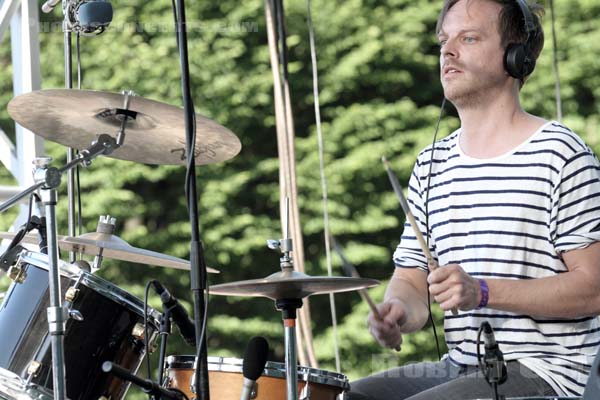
(444, 380)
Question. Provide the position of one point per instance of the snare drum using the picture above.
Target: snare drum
(225, 380)
(111, 329)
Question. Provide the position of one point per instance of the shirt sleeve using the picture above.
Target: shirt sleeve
(575, 217)
(408, 253)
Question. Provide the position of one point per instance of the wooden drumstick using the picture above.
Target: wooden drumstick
(431, 262)
(350, 270)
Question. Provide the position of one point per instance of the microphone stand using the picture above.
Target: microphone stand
(147, 386)
(493, 366)
(68, 57)
(164, 332)
(197, 262)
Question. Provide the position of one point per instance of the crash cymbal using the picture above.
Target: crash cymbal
(154, 135)
(110, 246)
(291, 285)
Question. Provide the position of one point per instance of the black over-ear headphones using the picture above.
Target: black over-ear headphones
(518, 60)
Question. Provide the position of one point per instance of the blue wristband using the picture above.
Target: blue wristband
(485, 293)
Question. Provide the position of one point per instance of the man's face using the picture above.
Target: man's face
(471, 58)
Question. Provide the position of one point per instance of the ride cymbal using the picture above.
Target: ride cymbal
(154, 131)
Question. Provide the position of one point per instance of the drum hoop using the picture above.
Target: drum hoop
(96, 283)
(272, 369)
(11, 382)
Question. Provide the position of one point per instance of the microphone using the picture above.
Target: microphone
(494, 359)
(93, 15)
(178, 313)
(255, 358)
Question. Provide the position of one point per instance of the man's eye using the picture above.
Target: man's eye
(469, 39)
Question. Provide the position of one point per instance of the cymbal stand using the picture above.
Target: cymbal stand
(48, 179)
(288, 309)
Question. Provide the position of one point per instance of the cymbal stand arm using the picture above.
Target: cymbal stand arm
(103, 145)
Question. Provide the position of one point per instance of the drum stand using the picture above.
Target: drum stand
(48, 179)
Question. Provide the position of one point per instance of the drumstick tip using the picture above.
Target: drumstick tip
(385, 162)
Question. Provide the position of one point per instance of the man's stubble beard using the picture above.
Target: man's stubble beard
(468, 93)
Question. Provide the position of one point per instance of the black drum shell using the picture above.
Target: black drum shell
(105, 334)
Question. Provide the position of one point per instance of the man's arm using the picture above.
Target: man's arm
(409, 286)
(403, 310)
(572, 294)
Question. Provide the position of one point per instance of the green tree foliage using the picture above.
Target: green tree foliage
(380, 95)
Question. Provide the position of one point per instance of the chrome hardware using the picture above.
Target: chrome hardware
(71, 294)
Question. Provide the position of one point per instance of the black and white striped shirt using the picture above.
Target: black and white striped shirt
(510, 217)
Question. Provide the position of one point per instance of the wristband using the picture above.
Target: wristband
(485, 293)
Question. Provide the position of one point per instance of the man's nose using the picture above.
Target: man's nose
(448, 50)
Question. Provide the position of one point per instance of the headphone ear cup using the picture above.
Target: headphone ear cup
(514, 60)
(517, 62)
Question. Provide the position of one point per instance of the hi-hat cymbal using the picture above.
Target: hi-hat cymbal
(291, 285)
(155, 133)
(110, 246)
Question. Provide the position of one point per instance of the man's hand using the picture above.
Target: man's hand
(387, 330)
(452, 287)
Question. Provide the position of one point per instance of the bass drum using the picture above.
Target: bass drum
(106, 324)
(225, 380)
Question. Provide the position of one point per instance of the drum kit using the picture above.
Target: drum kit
(103, 322)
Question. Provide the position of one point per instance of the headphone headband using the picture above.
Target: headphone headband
(518, 60)
(529, 25)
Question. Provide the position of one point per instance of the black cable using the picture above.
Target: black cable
(146, 338)
(78, 56)
(198, 277)
(437, 127)
(77, 169)
(24, 228)
(478, 344)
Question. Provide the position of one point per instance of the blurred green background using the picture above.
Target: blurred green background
(380, 95)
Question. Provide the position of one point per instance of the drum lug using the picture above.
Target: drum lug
(34, 368)
(139, 333)
(71, 294)
(17, 273)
